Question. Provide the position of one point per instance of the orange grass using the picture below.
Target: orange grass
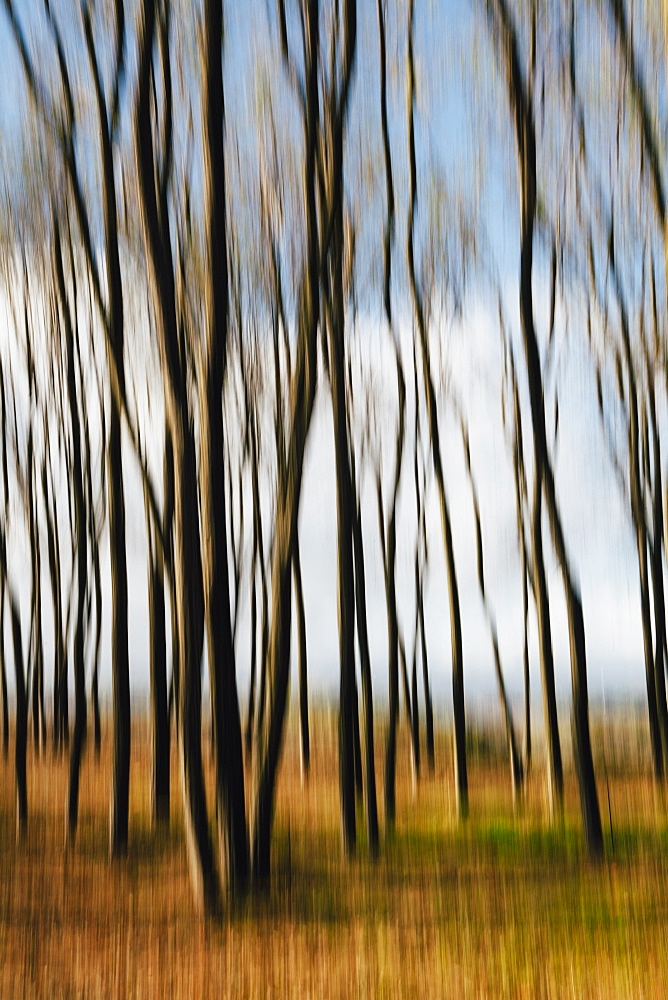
(505, 905)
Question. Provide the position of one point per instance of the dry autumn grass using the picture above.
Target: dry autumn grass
(504, 906)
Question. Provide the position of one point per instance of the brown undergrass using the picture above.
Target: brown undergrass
(505, 905)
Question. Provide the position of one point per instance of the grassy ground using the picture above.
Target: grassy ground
(503, 906)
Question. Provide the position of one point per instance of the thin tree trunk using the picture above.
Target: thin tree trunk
(189, 596)
(95, 685)
(21, 736)
(520, 98)
(264, 653)
(302, 397)
(21, 728)
(525, 665)
(388, 546)
(346, 583)
(516, 774)
(160, 777)
(278, 662)
(357, 747)
(304, 735)
(370, 801)
(250, 716)
(656, 555)
(36, 653)
(3, 672)
(113, 318)
(230, 793)
(160, 741)
(257, 562)
(415, 715)
(120, 677)
(168, 550)
(428, 709)
(459, 710)
(555, 777)
(76, 474)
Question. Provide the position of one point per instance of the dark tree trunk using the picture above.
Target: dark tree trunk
(257, 563)
(519, 93)
(651, 147)
(357, 746)
(388, 546)
(428, 709)
(459, 709)
(555, 768)
(250, 716)
(190, 610)
(95, 687)
(302, 397)
(279, 663)
(80, 542)
(230, 793)
(525, 662)
(415, 714)
(168, 552)
(3, 673)
(370, 801)
(656, 555)
(36, 658)
(113, 318)
(53, 550)
(21, 736)
(160, 736)
(346, 583)
(120, 782)
(304, 734)
(187, 564)
(264, 653)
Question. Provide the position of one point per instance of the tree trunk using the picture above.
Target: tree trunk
(36, 657)
(388, 547)
(459, 710)
(120, 676)
(190, 611)
(304, 735)
(346, 583)
(555, 777)
(21, 737)
(230, 793)
(370, 801)
(3, 673)
(95, 687)
(160, 742)
(80, 544)
(302, 397)
(656, 555)
(429, 714)
(278, 664)
(415, 715)
(525, 662)
(519, 93)
(357, 746)
(188, 585)
(250, 715)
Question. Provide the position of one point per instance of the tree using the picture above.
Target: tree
(109, 298)
(461, 775)
(153, 178)
(521, 104)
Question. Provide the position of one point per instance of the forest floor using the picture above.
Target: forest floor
(504, 905)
